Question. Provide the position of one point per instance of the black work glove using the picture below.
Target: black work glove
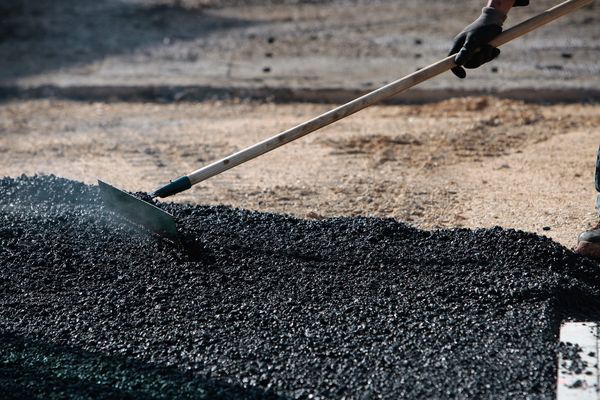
(471, 45)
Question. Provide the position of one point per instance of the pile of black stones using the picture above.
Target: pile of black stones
(258, 305)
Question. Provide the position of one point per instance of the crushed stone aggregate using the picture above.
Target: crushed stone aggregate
(257, 305)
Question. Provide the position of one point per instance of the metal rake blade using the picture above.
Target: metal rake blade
(138, 211)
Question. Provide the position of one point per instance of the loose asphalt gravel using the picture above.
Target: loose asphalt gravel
(255, 305)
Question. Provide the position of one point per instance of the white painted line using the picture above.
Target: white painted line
(579, 378)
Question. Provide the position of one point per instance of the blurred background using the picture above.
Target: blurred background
(138, 92)
(293, 44)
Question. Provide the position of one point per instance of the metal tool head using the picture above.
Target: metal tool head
(138, 211)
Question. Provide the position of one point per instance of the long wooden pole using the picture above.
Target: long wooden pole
(358, 104)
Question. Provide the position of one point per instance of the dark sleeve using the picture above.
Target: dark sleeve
(520, 3)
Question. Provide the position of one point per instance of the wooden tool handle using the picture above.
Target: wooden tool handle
(375, 96)
(539, 20)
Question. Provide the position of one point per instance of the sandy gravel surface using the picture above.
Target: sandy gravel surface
(475, 162)
(347, 44)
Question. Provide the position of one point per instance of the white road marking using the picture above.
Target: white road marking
(573, 382)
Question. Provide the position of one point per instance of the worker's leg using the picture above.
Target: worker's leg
(589, 241)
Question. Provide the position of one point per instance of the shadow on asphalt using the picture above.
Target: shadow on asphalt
(35, 369)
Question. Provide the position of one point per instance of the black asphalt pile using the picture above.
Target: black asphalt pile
(256, 305)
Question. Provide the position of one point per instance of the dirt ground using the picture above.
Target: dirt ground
(470, 162)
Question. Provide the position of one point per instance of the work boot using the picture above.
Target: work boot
(588, 243)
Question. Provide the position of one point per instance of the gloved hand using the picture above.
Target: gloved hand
(476, 37)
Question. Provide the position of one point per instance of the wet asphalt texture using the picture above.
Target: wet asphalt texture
(255, 305)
